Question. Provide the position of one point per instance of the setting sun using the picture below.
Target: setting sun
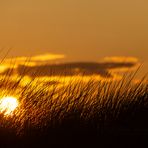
(8, 105)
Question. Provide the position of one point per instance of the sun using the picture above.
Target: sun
(8, 105)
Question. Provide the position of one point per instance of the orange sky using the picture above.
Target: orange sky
(80, 29)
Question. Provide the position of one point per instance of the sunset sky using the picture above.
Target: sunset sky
(82, 30)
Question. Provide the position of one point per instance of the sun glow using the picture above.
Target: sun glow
(8, 105)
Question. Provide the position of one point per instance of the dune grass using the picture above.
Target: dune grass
(76, 110)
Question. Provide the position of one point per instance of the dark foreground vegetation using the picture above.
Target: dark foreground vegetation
(80, 114)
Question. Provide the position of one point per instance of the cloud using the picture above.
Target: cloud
(121, 59)
(71, 69)
(37, 58)
(29, 61)
(40, 66)
(47, 57)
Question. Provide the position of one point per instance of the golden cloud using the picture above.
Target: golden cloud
(110, 67)
(47, 57)
(121, 59)
(29, 61)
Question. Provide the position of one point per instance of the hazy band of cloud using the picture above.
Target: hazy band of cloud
(41, 65)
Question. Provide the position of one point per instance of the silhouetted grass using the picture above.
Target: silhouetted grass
(75, 114)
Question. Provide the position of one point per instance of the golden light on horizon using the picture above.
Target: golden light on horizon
(8, 105)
